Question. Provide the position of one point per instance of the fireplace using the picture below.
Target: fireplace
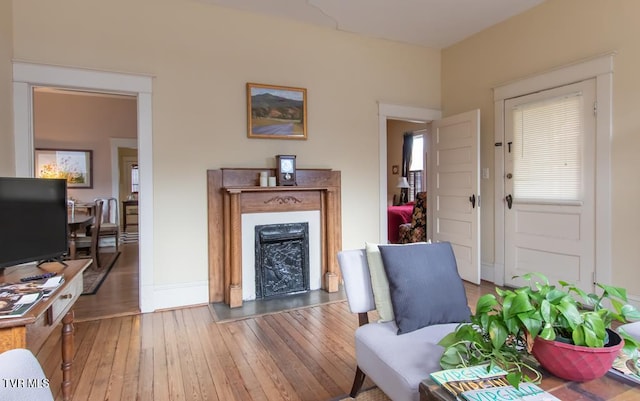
(282, 259)
(237, 203)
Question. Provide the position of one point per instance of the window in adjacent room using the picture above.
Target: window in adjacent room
(416, 170)
(135, 179)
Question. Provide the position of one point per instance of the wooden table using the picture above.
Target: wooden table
(77, 223)
(32, 329)
(602, 389)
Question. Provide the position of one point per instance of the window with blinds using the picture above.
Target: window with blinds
(548, 149)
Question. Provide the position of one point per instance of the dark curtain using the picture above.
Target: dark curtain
(407, 149)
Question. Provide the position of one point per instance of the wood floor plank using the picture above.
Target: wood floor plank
(199, 356)
(160, 371)
(146, 373)
(323, 343)
(132, 363)
(176, 386)
(115, 382)
(207, 332)
(273, 379)
(317, 353)
(88, 376)
(307, 386)
(249, 379)
(229, 366)
(109, 340)
(310, 356)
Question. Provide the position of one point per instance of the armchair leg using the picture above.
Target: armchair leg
(357, 382)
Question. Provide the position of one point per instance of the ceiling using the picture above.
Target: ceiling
(429, 23)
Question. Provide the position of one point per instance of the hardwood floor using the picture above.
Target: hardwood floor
(118, 294)
(305, 354)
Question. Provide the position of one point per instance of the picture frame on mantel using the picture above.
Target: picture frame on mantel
(276, 112)
(73, 165)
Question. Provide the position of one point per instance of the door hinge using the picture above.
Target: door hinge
(594, 278)
(595, 108)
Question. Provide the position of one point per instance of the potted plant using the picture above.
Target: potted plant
(513, 326)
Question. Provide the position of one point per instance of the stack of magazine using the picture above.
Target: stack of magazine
(626, 367)
(479, 383)
(16, 299)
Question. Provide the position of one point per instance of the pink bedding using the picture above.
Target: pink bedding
(397, 215)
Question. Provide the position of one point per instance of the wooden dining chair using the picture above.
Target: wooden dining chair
(110, 222)
(89, 243)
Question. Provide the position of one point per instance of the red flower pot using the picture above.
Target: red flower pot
(576, 363)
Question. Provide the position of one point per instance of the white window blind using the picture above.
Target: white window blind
(547, 149)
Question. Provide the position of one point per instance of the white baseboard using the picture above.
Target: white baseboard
(178, 295)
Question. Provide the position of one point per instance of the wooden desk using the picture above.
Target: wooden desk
(76, 223)
(31, 330)
(602, 389)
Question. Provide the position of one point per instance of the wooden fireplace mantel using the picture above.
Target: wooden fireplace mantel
(235, 191)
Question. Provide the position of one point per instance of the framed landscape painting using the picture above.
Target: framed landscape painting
(277, 112)
(73, 165)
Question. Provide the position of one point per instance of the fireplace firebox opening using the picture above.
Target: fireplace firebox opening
(282, 259)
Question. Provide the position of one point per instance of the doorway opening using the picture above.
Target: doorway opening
(26, 76)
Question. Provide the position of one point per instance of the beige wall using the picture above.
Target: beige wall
(201, 57)
(553, 34)
(395, 133)
(78, 121)
(7, 167)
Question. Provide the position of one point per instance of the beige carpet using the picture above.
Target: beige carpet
(373, 394)
(92, 278)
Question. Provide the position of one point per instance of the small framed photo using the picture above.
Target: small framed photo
(73, 165)
(276, 112)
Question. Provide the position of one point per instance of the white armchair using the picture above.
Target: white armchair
(22, 377)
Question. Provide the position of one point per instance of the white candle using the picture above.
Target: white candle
(272, 181)
(263, 181)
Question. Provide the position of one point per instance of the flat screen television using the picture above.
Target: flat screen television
(33, 220)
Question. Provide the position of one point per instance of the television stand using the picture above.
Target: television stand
(52, 260)
(33, 328)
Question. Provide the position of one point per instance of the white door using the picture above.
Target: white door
(454, 192)
(549, 185)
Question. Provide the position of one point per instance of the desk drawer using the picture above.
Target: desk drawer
(38, 332)
(65, 300)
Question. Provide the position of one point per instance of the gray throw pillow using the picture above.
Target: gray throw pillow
(424, 285)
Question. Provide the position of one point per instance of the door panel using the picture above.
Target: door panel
(555, 237)
(455, 174)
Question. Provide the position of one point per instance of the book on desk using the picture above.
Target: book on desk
(16, 299)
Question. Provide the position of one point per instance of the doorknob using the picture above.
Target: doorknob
(472, 199)
(509, 200)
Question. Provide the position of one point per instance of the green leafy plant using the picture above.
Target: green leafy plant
(503, 328)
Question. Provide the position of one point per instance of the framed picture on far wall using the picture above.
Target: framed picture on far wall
(276, 112)
(73, 165)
